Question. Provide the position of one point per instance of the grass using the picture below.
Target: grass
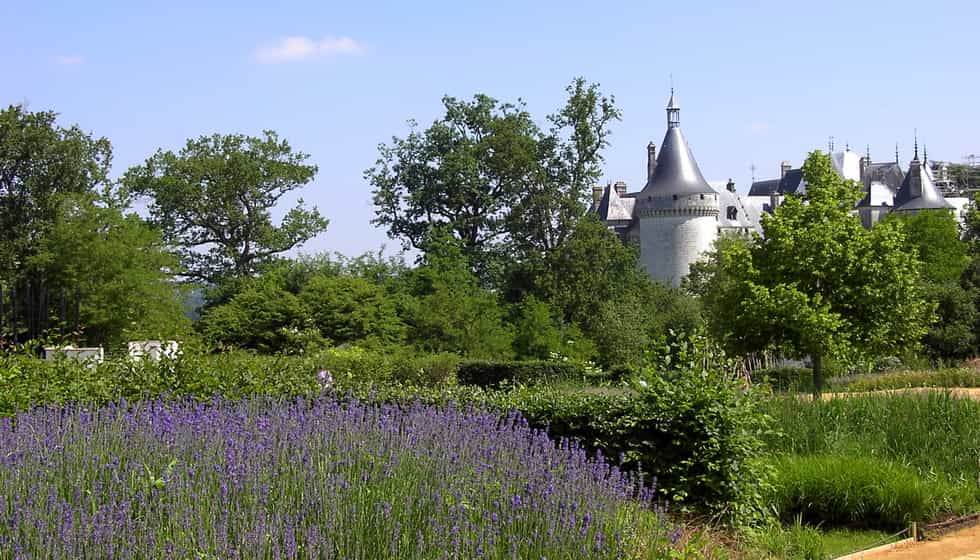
(837, 490)
(946, 377)
(931, 441)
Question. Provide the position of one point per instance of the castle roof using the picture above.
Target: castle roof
(788, 184)
(613, 207)
(918, 192)
(677, 171)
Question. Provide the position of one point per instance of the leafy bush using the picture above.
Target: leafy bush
(847, 490)
(485, 373)
(699, 434)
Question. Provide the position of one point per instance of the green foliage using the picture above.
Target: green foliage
(934, 434)
(935, 237)
(351, 309)
(785, 379)
(796, 541)
(40, 162)
(818, 283)
(450, 311)
(496, 373)
(116, 265)
(946, 377)
(845, 490)
(487, 174)
(698, 432)
(954, 334)
(262, 316)
(536, 335)
(213, 200)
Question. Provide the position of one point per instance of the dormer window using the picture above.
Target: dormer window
(732, 213)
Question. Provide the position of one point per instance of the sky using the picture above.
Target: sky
(757, 82)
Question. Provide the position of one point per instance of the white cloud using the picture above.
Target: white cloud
(757, 127)
(69, 59)
(290, 49)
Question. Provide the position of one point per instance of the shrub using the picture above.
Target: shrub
(846, 490)
(486, 373)
(699, 434)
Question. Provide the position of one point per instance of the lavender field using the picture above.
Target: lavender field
(308, 479)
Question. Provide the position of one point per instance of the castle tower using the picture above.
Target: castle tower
(677, 209)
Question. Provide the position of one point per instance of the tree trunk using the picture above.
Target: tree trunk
(817, 375)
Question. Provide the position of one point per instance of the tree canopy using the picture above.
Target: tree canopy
(817, 283)
(213, 199)
(491, 177)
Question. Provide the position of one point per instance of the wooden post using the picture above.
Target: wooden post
(915, 532)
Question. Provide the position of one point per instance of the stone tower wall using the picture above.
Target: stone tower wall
(675, 233)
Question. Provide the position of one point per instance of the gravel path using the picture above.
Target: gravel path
(959, 545)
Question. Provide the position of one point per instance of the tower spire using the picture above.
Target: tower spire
(896, 152)
(925, 153)
(673, 112)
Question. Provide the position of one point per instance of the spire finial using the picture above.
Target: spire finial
(896, 152)
(673, 111)
(847, 146)
(867, 152)
(925, 153)
(915, 136)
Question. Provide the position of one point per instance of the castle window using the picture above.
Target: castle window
(732, 213)
(675, 197)
(702, 197)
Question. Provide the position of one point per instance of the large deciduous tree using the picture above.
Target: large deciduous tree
(40, 163)
(213, 199)
(817, 283)
(489, 175)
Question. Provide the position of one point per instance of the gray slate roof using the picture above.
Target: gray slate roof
(613, 207)
(677, 171)
(789, 184)
(918, 192)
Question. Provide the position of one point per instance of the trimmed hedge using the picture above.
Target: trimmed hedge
(486, 373)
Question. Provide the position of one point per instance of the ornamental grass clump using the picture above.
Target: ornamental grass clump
(308, 479)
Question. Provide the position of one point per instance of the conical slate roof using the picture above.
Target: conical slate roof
(677, 171)
(918, 192)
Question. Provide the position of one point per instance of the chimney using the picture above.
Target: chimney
(784, 168)
(651, 160)
(596, 194)
(731, 185)
(620, 187)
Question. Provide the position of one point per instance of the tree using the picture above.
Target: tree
(487, 174)
(817, 283)
(934, 237)
(570, 164)
(213, 201)
(119, 269)
(449, 310)
(41, 163)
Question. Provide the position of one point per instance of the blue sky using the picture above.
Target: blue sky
(758, 82)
